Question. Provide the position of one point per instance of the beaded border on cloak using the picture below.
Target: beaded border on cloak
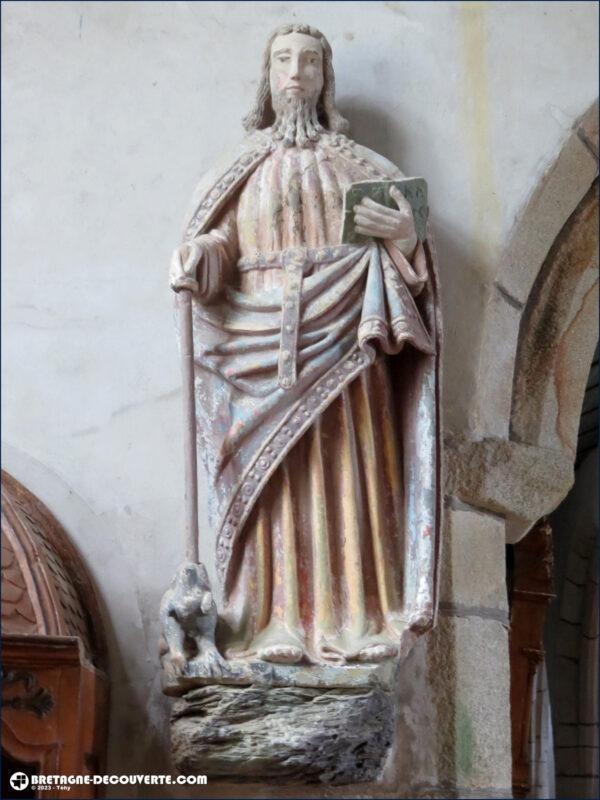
(297, 421)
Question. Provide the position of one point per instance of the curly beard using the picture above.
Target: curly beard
(296, 120)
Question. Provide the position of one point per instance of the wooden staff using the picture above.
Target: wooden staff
(186, 328)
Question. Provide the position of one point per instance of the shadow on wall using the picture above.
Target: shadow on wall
(373, 128)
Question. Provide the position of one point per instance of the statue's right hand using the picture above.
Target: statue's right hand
(184, 265)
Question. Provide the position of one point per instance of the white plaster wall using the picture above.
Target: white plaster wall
(110, 113)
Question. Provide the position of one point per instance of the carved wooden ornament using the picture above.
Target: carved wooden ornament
(55, 687)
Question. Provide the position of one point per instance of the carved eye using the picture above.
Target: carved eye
(283, 59)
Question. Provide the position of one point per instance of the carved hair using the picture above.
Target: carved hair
(262, 115)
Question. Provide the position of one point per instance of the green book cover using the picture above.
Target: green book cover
(414, 189)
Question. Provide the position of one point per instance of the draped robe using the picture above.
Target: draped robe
(320, 446)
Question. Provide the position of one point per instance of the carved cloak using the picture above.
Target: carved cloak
(252, 405)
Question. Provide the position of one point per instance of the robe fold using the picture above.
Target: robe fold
(317, 408)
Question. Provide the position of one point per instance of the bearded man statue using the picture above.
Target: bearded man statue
(316, 382)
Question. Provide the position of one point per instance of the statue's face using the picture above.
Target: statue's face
(296, 66)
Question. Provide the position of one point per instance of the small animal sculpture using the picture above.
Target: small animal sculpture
(188, 614)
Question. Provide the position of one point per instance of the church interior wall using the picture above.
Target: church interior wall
(111, 113)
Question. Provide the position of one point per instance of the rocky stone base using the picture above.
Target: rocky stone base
(287, 734)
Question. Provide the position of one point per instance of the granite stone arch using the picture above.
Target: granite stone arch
(512, 465)
(557, 337)
(539, 333)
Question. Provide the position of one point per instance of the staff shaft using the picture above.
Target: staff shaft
(184, 304)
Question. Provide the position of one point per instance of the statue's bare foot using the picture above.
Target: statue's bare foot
(376, 652)
(281, 654)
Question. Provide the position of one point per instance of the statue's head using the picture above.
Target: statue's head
(296, 93)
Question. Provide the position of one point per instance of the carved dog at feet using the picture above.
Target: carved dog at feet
(188, 614)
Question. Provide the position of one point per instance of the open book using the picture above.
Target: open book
(414, 189)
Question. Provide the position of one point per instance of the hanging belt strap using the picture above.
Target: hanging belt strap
(294, 264)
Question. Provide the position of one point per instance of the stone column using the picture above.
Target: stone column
(453, 735)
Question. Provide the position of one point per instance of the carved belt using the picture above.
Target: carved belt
(295, 262)
(309, 255)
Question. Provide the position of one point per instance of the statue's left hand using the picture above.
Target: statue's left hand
(395, 225)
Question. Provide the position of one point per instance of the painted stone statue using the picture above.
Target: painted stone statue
(316, 368)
